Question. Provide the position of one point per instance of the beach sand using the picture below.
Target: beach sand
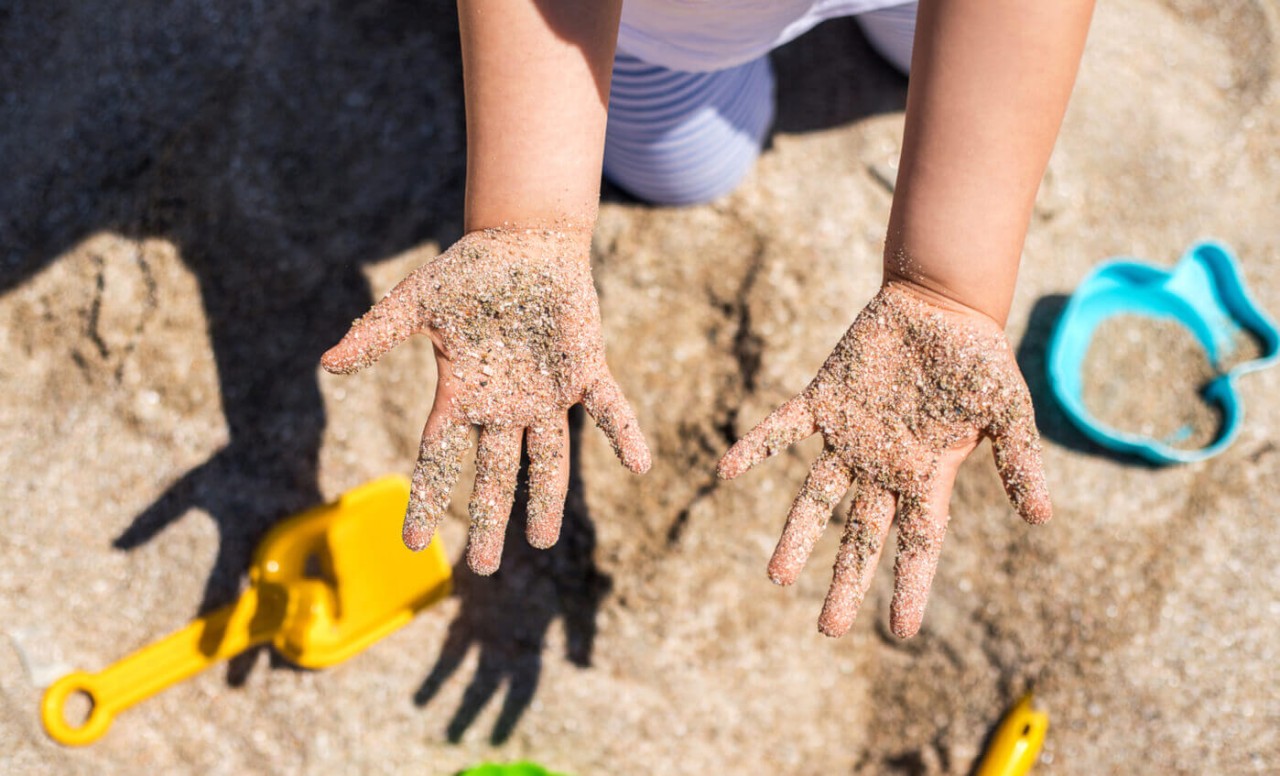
(197, 203)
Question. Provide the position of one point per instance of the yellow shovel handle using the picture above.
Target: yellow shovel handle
(1017, 742)
(217, 636)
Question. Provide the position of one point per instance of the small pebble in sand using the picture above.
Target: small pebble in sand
(908, 384)
(515, 321)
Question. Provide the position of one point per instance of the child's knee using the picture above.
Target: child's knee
(683, 138)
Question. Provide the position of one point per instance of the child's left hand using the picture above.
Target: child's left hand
(900, 403)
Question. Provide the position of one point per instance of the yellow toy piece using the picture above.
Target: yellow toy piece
(1017, 741)
(323, 586)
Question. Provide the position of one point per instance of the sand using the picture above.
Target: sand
(1146, 376)
(198, 201)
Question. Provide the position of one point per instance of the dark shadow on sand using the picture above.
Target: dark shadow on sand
(280, 147)
(506, 617)
(831, 77)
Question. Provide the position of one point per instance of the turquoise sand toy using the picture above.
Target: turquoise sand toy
(1205, 292)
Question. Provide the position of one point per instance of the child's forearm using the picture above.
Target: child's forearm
(989, 86)
(537, 91)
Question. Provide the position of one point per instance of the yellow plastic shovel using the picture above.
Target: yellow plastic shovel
(323, 586)
(1017, 742)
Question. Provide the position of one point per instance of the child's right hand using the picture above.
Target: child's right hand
(515, 321)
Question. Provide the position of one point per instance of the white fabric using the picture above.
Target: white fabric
(891, 32)
(702, 35)
(679, 138)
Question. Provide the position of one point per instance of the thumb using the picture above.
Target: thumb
(391, 321)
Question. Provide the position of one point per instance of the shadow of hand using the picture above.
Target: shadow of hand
(243, 507)
(506, 616)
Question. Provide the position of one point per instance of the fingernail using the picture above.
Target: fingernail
(416, 537)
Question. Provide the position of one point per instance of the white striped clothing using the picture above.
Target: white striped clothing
(698, 36)
(679, 137)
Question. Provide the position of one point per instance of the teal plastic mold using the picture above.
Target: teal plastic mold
(1206, 293)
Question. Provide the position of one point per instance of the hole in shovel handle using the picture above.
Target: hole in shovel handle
(67, 696)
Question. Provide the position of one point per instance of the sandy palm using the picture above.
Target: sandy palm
(515, 321)
(902, 400)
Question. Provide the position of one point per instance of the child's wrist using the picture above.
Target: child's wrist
(498, 210)
(531, 228)
(940, 284)
(937, 295)
(562, 243)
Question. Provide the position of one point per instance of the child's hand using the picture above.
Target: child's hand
(900, 402)
(515, 321)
